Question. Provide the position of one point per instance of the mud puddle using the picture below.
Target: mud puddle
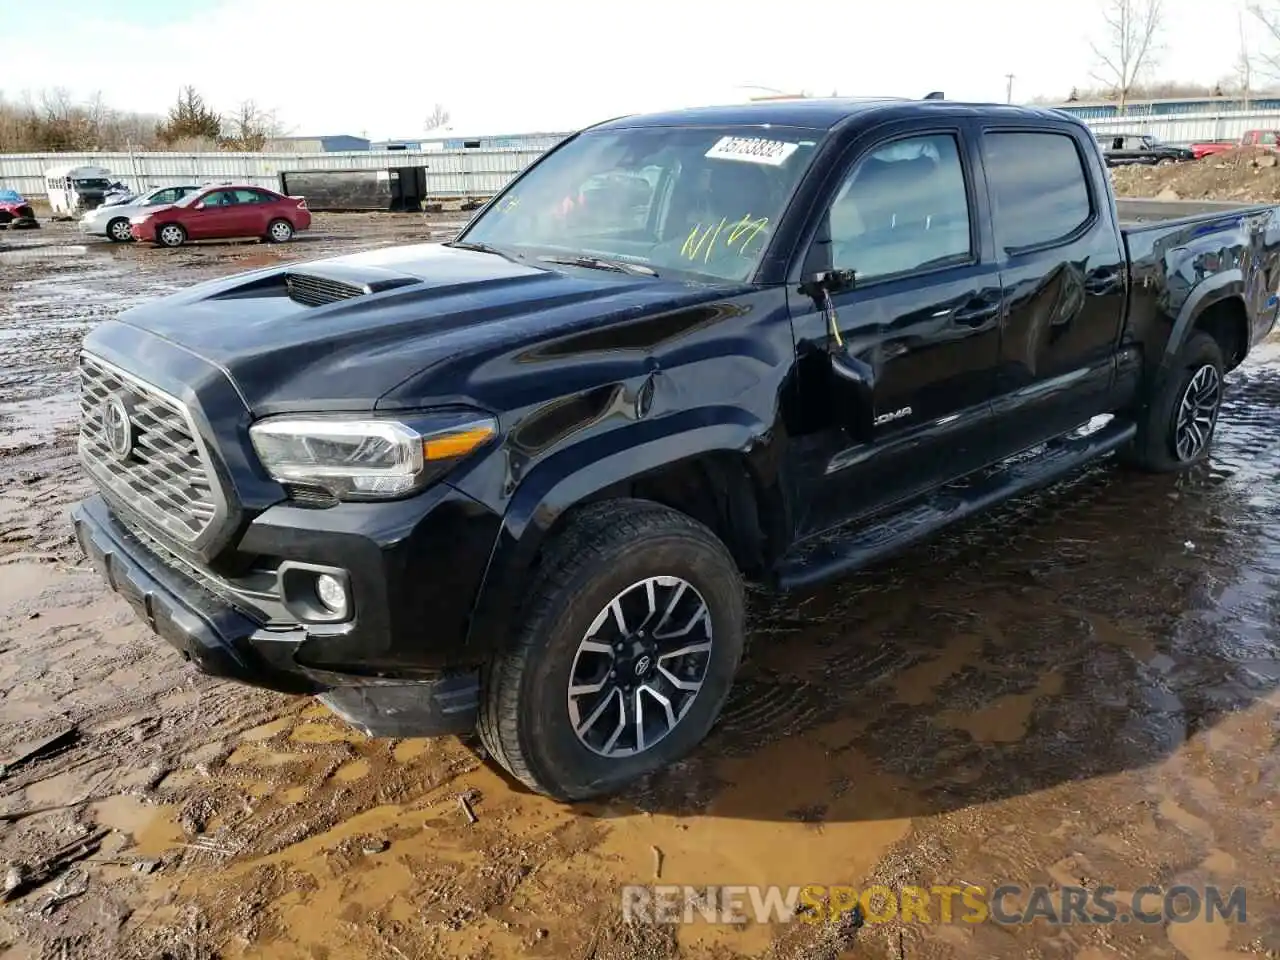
(1077, 689)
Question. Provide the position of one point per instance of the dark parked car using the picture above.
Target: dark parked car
(516, 482)
(224, 212)
(1130, 148)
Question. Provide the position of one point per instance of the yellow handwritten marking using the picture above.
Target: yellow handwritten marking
(745, 229)
(698, 249)
(684, 249)
(759, 225)
(748, 228)
(707, 258)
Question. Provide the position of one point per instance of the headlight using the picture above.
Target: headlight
(372, 458)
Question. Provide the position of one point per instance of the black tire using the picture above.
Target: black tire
(605, 549)
(118, 230)
(171, 235)
(1155, 448)
(279, 231)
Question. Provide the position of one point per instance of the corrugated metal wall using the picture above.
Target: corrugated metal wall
(1189, 128)
(475, 173)
(450, 174)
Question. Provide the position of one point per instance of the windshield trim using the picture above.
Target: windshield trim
(821, 137)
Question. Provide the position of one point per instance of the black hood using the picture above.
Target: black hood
(345, 333)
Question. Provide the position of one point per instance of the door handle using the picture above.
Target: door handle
(975, 314)
(1104, 281)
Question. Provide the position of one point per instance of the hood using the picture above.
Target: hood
(344, 333)
(127, 207)
(163, 208)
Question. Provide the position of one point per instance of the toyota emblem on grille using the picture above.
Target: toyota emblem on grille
(117, 427)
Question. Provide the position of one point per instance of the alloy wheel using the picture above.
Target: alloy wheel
(639, 668)
(1197, 413)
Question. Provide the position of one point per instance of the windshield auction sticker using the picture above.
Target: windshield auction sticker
(774, 153)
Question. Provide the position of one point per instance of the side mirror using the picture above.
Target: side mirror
(199, 205)
(826, 282)
(851, 380)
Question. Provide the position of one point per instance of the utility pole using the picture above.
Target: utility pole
(1008, 90)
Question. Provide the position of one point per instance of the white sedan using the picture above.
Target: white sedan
(112, 221)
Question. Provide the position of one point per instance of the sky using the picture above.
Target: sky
(376, 67)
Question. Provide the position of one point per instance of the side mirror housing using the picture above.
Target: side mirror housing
(827, 282)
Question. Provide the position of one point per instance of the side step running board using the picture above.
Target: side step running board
(860, 544)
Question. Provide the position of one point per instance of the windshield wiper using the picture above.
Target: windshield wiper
(480, 248)
(600, 263)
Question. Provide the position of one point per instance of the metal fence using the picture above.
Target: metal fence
(466, 174)
(1188, 128)
(451, 174)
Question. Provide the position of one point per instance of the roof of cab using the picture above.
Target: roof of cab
(819, 113)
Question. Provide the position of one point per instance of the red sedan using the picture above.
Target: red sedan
(223, 213)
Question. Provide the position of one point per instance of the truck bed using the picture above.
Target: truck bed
(1138, 213)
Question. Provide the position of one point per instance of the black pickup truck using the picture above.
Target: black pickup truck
(516, 482)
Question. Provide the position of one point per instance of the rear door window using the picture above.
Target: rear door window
(1039, 191)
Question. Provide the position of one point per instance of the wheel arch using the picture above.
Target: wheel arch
(723, 474)
(1216, 306)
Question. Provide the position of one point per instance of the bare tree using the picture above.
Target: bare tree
(1269, 17)
(250, 128)
(1129, 44)
(1244, 64)
(438, 118)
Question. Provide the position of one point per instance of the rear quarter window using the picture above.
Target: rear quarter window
(1040, 194)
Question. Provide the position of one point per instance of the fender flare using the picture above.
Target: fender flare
(1208, 292)
(576, 474)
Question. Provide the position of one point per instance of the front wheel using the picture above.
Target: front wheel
(630, 639)
(171, 235)
(119, 231)
(1176, 431)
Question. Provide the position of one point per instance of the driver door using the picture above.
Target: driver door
(922, 318)
(203, 219)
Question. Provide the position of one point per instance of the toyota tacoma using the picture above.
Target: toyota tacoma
(515, 483)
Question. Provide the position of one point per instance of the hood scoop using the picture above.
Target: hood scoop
(315, 288)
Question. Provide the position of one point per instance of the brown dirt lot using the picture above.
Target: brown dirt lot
(1079, 689)
(1245, 174)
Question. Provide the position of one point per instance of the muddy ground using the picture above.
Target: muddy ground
(1080, 688)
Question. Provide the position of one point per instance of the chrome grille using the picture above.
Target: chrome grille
(163, 474)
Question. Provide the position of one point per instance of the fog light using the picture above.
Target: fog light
(331, 593)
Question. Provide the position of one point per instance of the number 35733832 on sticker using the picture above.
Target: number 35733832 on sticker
(752, 150)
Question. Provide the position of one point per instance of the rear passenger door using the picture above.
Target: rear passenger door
(1062, 272)
(255, 208)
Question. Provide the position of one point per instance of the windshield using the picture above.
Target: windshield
(94, 183)
(699, 200)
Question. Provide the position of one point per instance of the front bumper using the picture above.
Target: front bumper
(225, 641)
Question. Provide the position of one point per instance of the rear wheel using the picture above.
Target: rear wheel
(1176, 431)
(280, 231)
(171, 235)
(119, 231)
(629, 643)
